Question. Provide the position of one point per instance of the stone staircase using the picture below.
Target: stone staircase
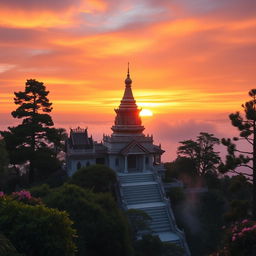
(146, 192)
(143, 191)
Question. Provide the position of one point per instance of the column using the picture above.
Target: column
(125, 163)
(143, 163)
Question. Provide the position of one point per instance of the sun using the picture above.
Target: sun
(146, 112)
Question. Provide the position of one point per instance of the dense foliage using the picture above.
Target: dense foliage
(98, 178)
(101, 227)
(236, 158)
(201, 152)
(7, 248)
(151, 245)
(34, 229)
(34, 141)
(240, 240)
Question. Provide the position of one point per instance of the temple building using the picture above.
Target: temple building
(137, 162)
(126, 150)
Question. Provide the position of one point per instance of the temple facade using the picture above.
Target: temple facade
(126, 150)
(137, 162)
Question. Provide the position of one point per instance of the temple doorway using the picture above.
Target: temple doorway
(132, 163)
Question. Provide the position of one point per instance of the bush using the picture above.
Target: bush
(151, 246)
(176, 195)
(98, 178)
(6, 247)
(240, 240)
(40, 191)
(101, 228)
(36, 229)
(139, 221)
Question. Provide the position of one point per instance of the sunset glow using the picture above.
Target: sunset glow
(146, 112)
(189, 60)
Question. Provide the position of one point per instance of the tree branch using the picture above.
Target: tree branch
(246, 165)
(243, 152)
(249, 140)
(241, 173)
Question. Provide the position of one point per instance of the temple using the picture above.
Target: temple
(137, 162)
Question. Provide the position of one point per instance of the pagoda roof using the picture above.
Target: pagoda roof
(79, 138)
(134, 146)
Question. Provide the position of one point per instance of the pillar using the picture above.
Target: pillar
(125, 163)
(143, 163)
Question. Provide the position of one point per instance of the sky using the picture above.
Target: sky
(192, 62)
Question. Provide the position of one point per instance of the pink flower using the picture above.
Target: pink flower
(245, 221)
(1, 193)
(23, 194)
(240, 234)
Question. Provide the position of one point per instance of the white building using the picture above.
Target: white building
(126, 150)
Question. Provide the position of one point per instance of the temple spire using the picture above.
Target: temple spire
(128, 80)
(128, 119)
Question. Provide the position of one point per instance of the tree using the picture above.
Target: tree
(4, 159)
(36, 229)
(139, 222)
(97, 177)
(240, 240)
(246, 125)
(100, 225)
(7, 248)
(182, 168)
(151, 245)
(201, 152)
(35, 138)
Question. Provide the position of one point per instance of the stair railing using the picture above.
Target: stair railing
(120, 194)
(170, 214)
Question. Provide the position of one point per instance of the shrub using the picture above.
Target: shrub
(101, 228)
(36, 229)
(99, 178)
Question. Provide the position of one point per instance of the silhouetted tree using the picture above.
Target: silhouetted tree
(4, 159)
(101, 227)
(35, 138)
(201, 152)
(35, 229)
(7, 248)
(246, 124)
(139, 221)
(98, 178)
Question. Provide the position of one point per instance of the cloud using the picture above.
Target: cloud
(56, 5)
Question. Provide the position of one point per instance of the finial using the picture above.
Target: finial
(128, 80)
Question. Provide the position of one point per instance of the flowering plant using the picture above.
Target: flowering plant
(25, 197)
(242, 238)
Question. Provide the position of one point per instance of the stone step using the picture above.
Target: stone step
(142, 192)
(160, 220)
(134, 179)
(139, 201)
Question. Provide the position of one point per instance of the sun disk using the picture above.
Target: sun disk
(146, 112)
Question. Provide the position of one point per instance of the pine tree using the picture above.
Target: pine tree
(34, 139)
(201, 152)
(247, 132)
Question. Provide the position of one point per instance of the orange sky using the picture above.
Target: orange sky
(192, 61)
